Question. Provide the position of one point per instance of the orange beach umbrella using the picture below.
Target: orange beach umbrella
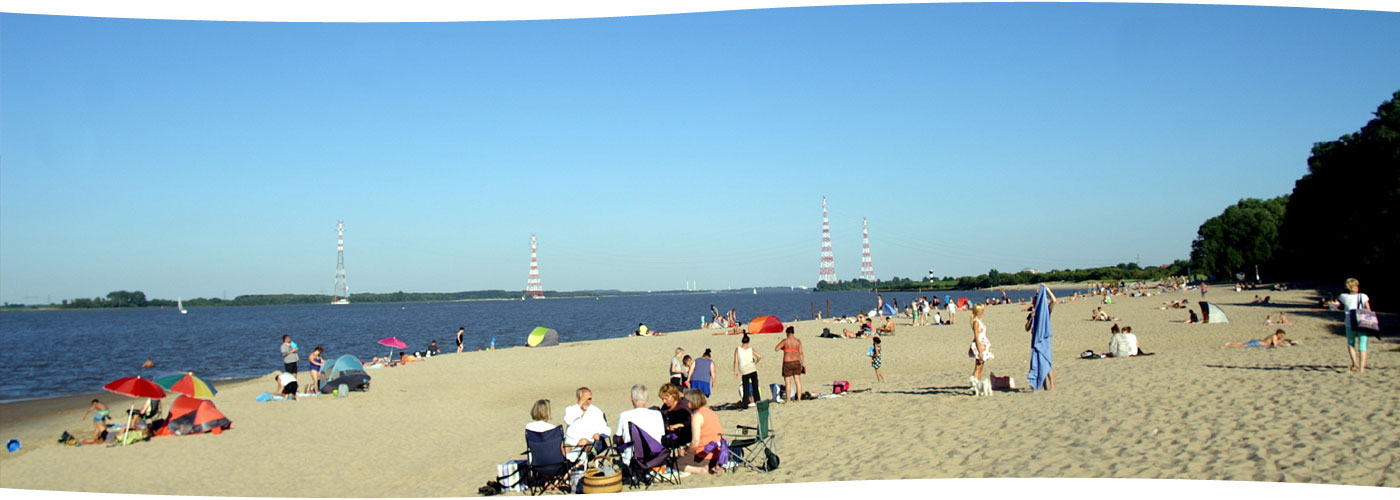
(765, 324)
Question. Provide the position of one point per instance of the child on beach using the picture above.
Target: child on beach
(875, 359)
(980, 351)
(99, 420)
(689, 364)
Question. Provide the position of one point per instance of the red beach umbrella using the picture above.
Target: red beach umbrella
(765, 324)
(135, 387)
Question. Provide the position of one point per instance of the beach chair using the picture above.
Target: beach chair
(651, 462)
(759, 450)
(545, 466)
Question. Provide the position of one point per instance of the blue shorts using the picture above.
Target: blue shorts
(701, 386)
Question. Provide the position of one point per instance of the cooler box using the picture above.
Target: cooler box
(840, 386)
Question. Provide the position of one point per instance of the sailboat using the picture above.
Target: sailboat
(180, 304)
(755, 291)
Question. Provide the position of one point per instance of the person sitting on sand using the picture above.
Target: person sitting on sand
(1283, 320)
(1193, 318)
(1123, 343)
(1268, 319)
(1275, 340)
(865, 329)
(433, 348)
(888, 326)
(704, 441)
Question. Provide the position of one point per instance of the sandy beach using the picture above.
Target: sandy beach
(438, 428)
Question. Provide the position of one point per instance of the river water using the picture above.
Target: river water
(57, 353)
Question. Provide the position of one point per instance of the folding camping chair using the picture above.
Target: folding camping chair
(545, 465)
(651, 462)
(759, 451)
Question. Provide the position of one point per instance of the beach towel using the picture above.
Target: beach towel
(1040, 340)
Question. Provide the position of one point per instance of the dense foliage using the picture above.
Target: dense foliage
(1342, 213)
(1245, 235)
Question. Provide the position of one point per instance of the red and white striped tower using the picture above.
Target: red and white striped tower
(827, 271)
(532, 286)
(867, 270)
(342, 289)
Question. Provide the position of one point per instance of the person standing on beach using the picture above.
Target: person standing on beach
(702, 373)
(794, 365)
(981, 352)
(99, 420)
(316, 362)
(875, 353)
(289, 355)
(678, 368)
(879, 305)
(746, 369)
(952, 311)
(1352, 300)
(460, 330)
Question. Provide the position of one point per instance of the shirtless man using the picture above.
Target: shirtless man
(460, 331)
(793, 363)
(888, 326)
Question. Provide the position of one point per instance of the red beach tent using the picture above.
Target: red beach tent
(193, 416)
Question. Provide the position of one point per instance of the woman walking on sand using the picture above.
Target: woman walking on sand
(980, 351)
(1352, 300)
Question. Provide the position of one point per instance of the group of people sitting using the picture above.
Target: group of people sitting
(683, 423)
(1258, 300)
(867, 328)
(1101, 315)
(727, 320)
(1282, 319)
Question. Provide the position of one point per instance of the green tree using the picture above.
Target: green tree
(1342, 214)
(1243, 236)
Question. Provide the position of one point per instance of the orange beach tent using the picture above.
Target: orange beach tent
(193, 416)
(765, 324)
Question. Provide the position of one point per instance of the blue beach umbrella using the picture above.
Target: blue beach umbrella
(1040, 340)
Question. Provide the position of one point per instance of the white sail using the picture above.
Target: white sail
(180, 304)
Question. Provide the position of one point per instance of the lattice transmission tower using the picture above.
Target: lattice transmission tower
(532, 285)
(867, 270)
(342, 289)
(827, 271)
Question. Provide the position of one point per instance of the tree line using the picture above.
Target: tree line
(1337, 223)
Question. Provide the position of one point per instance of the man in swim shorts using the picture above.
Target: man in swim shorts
(99, 423)
(794, 364)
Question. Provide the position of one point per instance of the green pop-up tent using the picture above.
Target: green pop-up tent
(542, 337)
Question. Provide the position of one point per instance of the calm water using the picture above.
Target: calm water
(55, 353)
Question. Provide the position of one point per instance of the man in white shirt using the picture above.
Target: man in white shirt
(584, 423)
(647, 419)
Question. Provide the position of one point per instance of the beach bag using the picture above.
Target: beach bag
(1365, 319)
(509, 475)
(840, 386)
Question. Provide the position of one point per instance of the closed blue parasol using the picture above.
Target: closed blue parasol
(1040, 340)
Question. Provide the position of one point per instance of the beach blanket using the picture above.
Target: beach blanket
(1040, 340)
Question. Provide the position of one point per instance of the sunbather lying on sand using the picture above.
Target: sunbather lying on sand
(1275, 340)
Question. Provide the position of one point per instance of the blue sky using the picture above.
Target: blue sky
(195, 158)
